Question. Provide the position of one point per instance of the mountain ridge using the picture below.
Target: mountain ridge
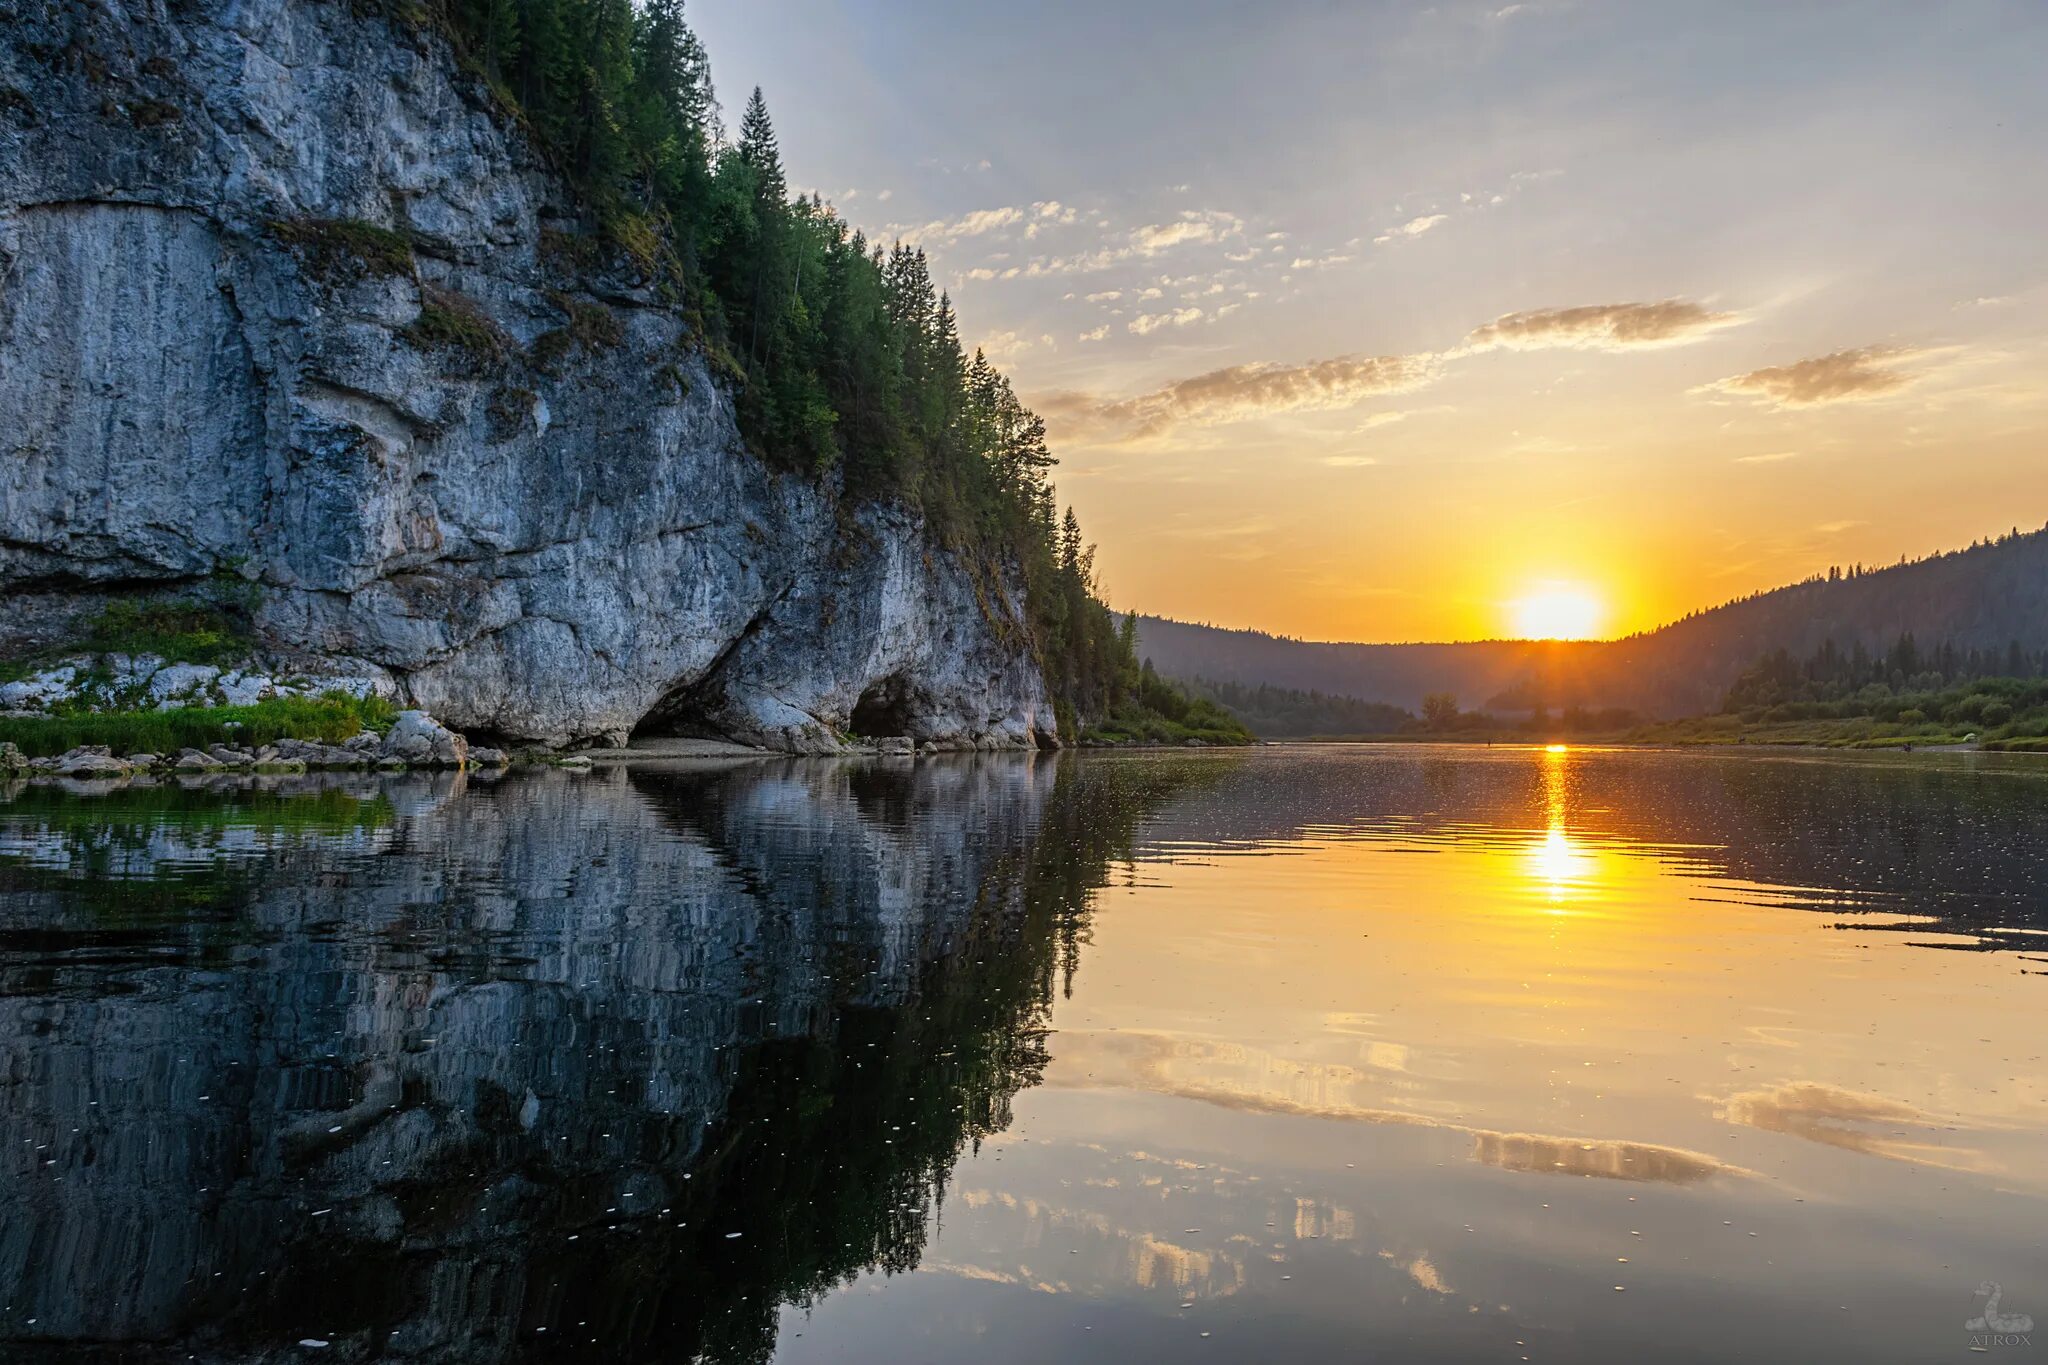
(1988, 596)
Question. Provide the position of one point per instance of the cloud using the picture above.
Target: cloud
(1241, 393)
(1865, 372)
(1396, 415)
(1771, 457)
(1601, 326)
(1003, 346)
(1096, 334)
(1049, 213)
(970, 224)
(1195, 225)
(1414, 227)
(1152, 322)
(1349, 461)
(1192, 226)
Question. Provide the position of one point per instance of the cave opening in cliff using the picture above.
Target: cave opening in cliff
(685, 713)
(883, 710)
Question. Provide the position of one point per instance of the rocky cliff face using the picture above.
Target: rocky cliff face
(285, 297)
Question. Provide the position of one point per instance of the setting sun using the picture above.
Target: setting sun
(1558, 612)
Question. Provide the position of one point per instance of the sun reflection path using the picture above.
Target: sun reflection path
(1563, 866)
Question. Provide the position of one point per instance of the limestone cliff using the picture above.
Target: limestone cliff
(285, 296)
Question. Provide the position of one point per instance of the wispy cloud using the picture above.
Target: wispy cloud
(1005, 346)
(1045, 213)
(1049, 213)
(940, 231)
(1152, 322)
(1844, 376)
(1601, 326)
(1414, 227)
(1194, 225)
(1246, 392)
(1241, 393)
(1769, 457)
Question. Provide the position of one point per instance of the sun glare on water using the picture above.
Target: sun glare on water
(1558, 612)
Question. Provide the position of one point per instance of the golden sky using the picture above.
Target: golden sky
(1370, 322)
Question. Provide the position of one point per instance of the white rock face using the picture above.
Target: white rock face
(176, 685)
(542, 550)
(40, 691)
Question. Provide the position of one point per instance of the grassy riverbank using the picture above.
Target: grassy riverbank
(328, 719)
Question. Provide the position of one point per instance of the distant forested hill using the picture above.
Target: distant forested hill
(1991, 598)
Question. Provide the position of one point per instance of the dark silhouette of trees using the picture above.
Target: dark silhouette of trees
(1440, 711)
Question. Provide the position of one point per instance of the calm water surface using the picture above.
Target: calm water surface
(1405, 1054)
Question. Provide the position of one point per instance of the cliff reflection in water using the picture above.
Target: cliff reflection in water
(613, 1064)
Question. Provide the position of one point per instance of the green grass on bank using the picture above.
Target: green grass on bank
(184, 630)
(328, 719)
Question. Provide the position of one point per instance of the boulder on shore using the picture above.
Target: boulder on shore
(92, 760)
(417, 740)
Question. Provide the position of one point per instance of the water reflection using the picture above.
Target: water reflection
(452, 1071)
(1231, 1076)
(1561, 865)
(1422, 1051)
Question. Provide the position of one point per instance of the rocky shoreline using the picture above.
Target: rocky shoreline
(415, 740)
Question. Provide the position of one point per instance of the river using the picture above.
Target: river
(1411, 1053)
